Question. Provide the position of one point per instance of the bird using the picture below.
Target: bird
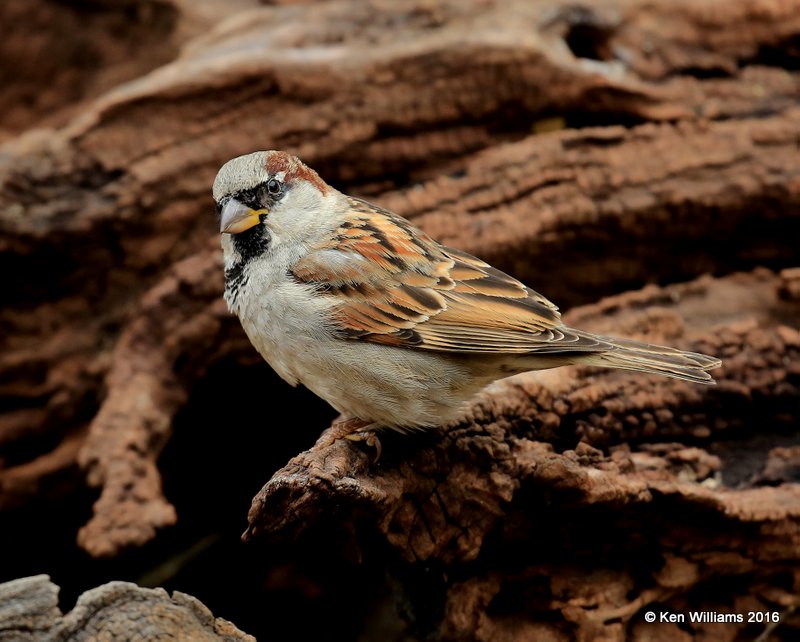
(393, 329)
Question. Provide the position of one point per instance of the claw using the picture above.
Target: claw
(370, 439)
(352, 429)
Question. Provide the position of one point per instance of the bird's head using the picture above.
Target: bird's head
(268, 197)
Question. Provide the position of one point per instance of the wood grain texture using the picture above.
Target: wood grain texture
(568, 500)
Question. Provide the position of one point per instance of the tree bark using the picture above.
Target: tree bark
(577, 497)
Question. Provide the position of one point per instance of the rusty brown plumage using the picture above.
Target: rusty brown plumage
(403, 288)
(293, 169)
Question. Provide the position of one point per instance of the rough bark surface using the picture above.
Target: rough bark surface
(589, 150)
(588, 485)
(29, 613)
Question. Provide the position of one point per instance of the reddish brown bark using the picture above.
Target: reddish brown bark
(582, 495)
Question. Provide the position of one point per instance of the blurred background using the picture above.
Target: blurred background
(588, 148)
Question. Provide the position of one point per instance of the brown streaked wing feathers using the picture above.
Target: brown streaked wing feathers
(397, 286)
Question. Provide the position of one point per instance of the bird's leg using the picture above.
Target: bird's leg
(352, 429)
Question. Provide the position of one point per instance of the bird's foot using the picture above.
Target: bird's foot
(352, 429)
(370, 438)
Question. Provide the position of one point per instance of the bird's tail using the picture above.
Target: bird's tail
(646, 357)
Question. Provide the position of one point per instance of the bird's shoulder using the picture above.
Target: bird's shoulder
(395, 284)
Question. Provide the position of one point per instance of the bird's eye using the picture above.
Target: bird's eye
(274, 186)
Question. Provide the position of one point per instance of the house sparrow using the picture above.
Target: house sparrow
(391, 328)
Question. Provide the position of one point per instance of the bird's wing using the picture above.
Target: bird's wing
(395, 285)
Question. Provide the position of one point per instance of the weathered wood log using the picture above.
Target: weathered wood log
(574, 235)
(29, 613)
(588, 150)
(44, 74)
(569, 502)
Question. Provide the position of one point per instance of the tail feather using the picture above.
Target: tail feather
(628, 354)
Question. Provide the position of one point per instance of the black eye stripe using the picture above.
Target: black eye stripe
(262, 195)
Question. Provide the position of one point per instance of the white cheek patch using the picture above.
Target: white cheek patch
(230, 255)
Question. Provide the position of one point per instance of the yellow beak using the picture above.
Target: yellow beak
(237, 217)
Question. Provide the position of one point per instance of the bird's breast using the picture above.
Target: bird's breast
(286, 321)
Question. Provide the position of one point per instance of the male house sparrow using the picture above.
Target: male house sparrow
(391, 328)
